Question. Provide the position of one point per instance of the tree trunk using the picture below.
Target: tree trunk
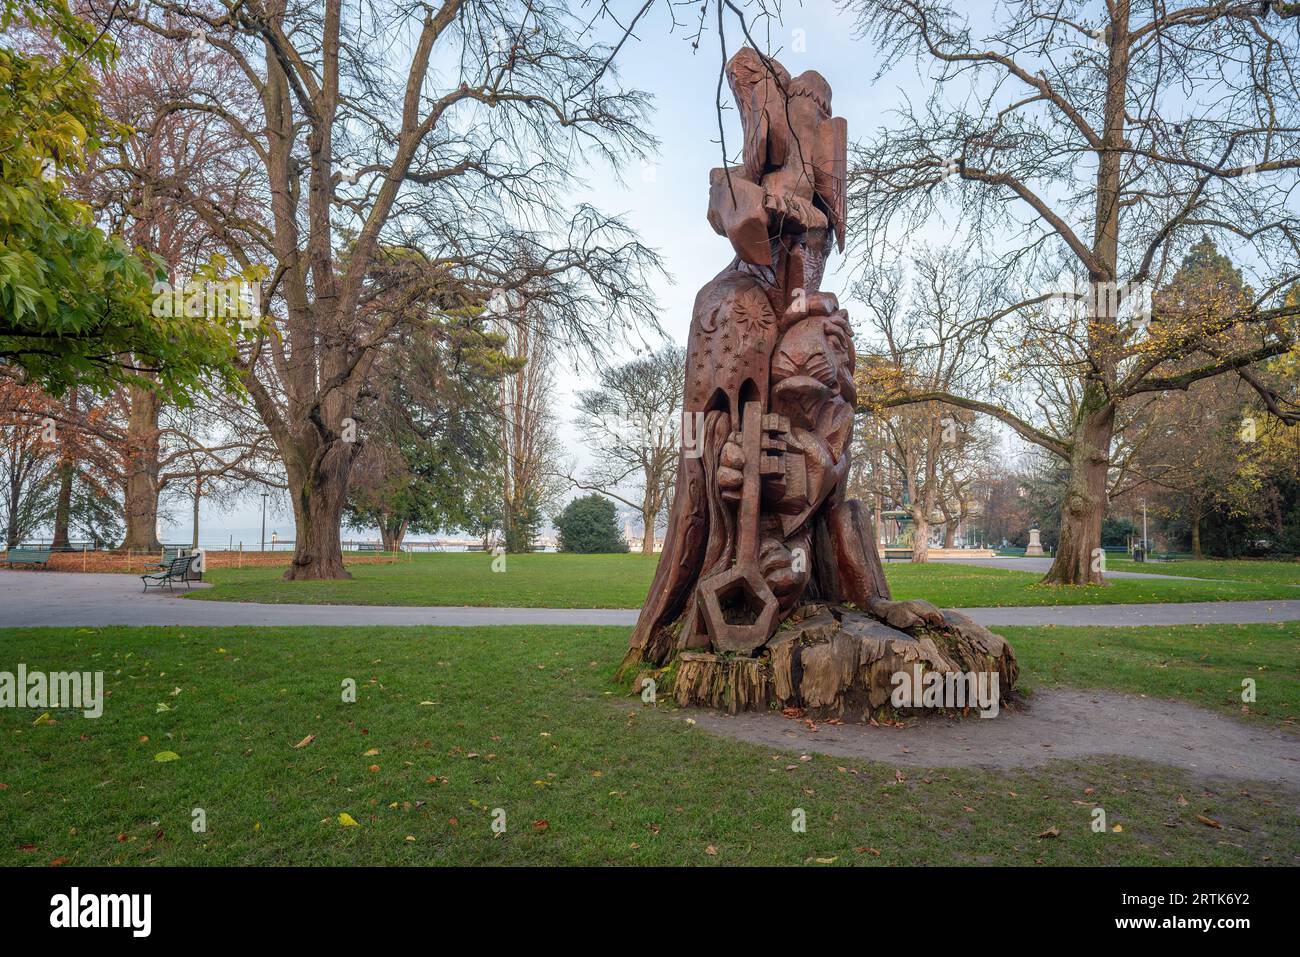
(11, 533)
(319, 493)
(1078, 558)
(1196, 531)
(949, 533)
(392, 531)
(198, 497)
(141, 490)
(63, 508)
(648, 533)
(921, 540)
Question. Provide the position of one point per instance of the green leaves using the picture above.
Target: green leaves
(75, 304)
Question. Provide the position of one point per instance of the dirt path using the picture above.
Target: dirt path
(1061, 723)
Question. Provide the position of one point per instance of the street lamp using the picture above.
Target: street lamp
(264, 494)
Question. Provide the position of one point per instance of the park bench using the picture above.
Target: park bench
(890, 554)
(369, 547)
(27, 556)
(177, 570)
(170, 554)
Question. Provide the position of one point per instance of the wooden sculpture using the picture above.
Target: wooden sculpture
(769, 591)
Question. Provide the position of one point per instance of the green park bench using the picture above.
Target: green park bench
(176, 570)
(27, 556)
(170, 554)
(369, 547)
(891, 554)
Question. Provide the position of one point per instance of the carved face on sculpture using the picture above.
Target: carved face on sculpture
(809, 366)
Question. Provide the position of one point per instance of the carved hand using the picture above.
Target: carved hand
(813, 304)
(731, 467)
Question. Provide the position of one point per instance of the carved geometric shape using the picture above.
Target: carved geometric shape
(739, 609)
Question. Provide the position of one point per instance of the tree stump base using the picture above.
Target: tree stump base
(835, 661)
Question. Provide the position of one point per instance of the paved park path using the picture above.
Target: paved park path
(73, 599)
(1040, 566)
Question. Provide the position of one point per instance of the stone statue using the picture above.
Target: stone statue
(767, 568)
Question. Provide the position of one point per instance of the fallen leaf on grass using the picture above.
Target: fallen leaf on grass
(347, 820)
(1051, 832)
(44, 719)
(867, 850)
(58, 862)
(371, 753)
(711, 851)
(541, 825)
(1208, 821)
(304, 742)
(164, 756)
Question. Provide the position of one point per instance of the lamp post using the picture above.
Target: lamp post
(264, 494)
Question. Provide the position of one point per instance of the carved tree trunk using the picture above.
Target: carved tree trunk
(770, 591)
(141, 488)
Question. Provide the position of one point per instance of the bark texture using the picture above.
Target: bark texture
(836, 662)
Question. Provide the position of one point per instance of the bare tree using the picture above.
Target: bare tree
(631, 422)
(454, 130)
(1092, 143)
(530, 445)
(29, 456)
(151, 185)
(914, 344)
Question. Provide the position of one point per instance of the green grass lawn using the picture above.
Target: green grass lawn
(1277, 573)
(540, 580)
(1201, 664)
(621, 581)
(951, 585)
(450, 724)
